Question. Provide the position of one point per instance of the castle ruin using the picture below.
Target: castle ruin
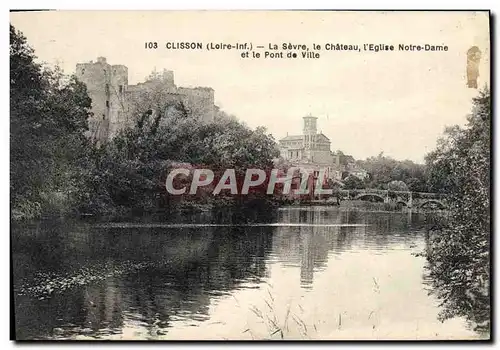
(113, 98)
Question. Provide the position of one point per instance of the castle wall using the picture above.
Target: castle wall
(117, 100)
(113, 99)
(201, 102)
(95, 77)
(106, 87)
(150, 93)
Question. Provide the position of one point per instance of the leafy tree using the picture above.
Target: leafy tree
(134, 165)
(397, 186)
(417, 184)
(382, 170)
(48, 118)
(458, 254)
(353, 183)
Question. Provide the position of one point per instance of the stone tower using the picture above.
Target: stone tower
(309, 131)
(310, 124)
(106, 85)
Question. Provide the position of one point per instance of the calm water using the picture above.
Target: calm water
(311, 273)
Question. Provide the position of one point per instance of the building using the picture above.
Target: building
(355, 170)
(311, 146)
(311, 150)
(113, 98)
(349, 166)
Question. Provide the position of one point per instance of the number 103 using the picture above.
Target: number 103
(151, 45)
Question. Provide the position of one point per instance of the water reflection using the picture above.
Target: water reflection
(152, 281)
(141, 275)
(310, 247)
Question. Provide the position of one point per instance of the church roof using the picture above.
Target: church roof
(292, 138)
(326, 137)
(300, 137)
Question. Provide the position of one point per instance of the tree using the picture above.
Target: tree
(353, 183)
(417, 184)
(48, 117)
(397, 186)
(382, 170)
(133, 166)
(458, 255)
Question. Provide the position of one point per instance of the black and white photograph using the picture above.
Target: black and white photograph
(250, 175)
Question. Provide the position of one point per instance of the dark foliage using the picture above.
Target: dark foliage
(459, 245)
(47, 123)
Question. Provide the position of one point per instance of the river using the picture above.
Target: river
(297, 273)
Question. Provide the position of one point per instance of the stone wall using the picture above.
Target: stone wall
(114, 101)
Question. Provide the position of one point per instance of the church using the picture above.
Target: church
(310, 150)
(311, 147)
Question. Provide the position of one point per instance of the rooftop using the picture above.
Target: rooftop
(300, 137)
(292, 138)
(310, 116)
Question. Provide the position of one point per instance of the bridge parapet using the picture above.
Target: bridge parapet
(406, 198)
(428, 195)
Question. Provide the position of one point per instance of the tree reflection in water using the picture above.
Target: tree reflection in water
(145, 279)
(139, 275)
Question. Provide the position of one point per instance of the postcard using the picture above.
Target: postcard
(250, 175)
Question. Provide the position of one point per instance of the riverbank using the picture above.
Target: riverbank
(357, 204)
(256, 206)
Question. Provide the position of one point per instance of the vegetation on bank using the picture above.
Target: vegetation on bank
(131, 169)
(459, 244)
(48, 118)
(386, 173)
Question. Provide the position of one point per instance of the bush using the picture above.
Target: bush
(459, 245)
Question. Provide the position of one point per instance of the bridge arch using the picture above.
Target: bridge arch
(440, 204)
(365, 196)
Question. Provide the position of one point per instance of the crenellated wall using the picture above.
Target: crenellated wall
(113, 98)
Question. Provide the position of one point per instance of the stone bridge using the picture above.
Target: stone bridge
(403, 198)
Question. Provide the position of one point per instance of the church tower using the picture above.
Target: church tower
(309, 131)
(310, 124)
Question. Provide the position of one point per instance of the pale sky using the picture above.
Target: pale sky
(397, 102)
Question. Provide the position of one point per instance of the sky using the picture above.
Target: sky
(366, 102)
